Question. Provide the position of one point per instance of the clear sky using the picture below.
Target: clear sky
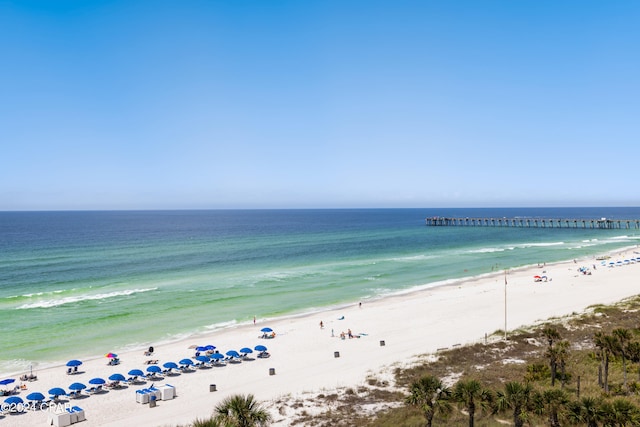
(318, 103)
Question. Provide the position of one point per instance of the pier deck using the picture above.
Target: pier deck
(602, 223)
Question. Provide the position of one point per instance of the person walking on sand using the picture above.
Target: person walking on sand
(321, 325)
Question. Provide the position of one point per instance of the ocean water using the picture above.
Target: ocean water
(79, 284)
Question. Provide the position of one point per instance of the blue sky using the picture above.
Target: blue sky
(311, 104)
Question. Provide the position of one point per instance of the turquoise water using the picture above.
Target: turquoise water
(76, 284)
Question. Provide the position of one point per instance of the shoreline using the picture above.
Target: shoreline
(232, 325)
(303, 354)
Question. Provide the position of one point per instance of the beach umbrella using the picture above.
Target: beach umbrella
(13, 400)
(35, 396)
(170, 365)
(97, 381)
(260, 347)
(111, 355)
(57, 391)
(74, 363)
(202, 358)
(233, 353)
(77, 386)
(246, 350)
(187, 362)
(265, 330)
(7, 381)
(217, 356)
(209, 347)
(154, 369)
(136, 373)
(201, 348)
(117, 377)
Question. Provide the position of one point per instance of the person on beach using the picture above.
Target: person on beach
(321, 325)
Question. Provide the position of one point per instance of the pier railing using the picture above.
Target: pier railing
(602, 223)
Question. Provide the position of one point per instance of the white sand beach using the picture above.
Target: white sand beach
(303, 354)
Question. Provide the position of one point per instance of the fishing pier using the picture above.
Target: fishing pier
(602, 223)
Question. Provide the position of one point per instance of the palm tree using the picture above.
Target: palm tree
(550, 402)
(608, 345)
(562, 356)
(519, 398)
(551, 334)
(431, 395)
(624, 338)
(620, 412)
(584, 412)
(634, 354)
(470, 393)
(241, 411)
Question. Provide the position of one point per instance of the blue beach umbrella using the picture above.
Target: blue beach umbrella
(202, 358)
(13, 400)
(74, 363)
(246, 350)
(154, 369)
(97, 381)
(210, 347)
(265, 330)
(57, 391)
(217, 356)
(170, 365)
(136, 373)
(260, 347)
(201, 348)
(35, 396)
(77, 386)
(233, 353)
(7, 381)
(117, 377)
(186, 362)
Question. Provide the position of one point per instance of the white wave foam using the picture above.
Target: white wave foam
(70, 300)
(486, 250)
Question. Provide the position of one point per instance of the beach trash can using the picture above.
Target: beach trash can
(272, 371)
(212, 387)
(382, 343)
(152, 401)
(336, 354)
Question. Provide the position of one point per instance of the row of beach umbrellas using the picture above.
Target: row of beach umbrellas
(153, 369)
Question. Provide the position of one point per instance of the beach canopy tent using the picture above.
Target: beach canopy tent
(57, 391)
(7, 381)
(74, 363)
(266, 330)
(154, 369)
(170, 365)
(117, 377)
(37, 396)
(246, 350)
(97, 381)
(77, 386)
(136, 373)
(186, 362)
(13, 400)
(260, 347)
